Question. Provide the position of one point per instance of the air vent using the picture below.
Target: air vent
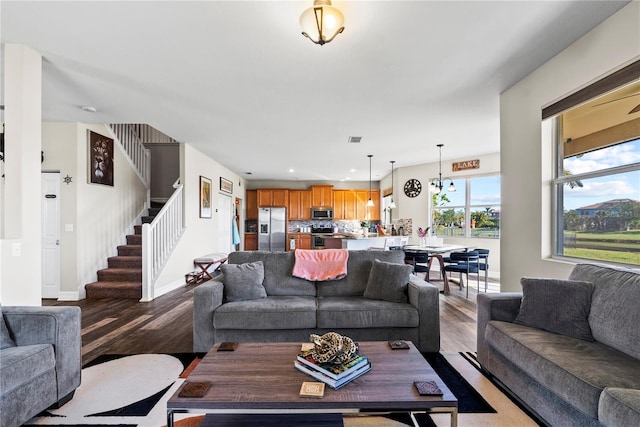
(355, 139)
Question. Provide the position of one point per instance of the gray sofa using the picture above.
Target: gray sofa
(583, 372)
(294, 308)
(40, 360)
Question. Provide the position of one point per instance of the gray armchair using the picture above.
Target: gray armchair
(40, 360)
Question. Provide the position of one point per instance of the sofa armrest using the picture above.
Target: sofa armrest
(206, 298)
(59, 326)
(426, 298)
(494, 306)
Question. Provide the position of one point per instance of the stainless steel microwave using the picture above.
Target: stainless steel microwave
(321, 213)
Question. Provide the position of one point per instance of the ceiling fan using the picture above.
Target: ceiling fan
(635, 109)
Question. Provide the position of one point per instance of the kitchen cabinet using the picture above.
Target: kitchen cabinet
(251, 241)
(344, 204)
(362, 197)
(299, 207)
(322, 195)
(302, 241)
(277, 197)
(252, 204)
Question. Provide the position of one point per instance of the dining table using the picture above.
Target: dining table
(434, 252)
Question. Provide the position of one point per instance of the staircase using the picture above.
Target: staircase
(123, 276)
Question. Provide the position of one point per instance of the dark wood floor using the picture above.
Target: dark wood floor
(164, 325)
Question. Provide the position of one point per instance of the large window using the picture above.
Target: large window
(473, 210)
(597, 183)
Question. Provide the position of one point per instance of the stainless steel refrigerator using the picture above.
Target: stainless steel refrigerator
(272, 229)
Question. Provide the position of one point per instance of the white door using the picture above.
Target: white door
(225, 215)
(50, 234)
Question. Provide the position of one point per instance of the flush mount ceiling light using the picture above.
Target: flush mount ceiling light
(321, 22)
(436, 183)
(392, 205)
(370, 202)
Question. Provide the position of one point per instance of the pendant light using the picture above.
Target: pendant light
(436, 183)
(370, 202)
(392, 205)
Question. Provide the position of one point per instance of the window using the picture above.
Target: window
(597, 184)
(473, 210)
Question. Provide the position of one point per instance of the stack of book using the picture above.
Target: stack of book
(335, 376)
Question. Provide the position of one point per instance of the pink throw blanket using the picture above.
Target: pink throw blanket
(321, 265)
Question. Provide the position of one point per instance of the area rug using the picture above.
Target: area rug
(132, 390)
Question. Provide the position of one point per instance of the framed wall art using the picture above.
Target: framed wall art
(226, 185)
(205, 197)
(100, 160)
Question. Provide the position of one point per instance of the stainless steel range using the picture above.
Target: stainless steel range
(318, 234)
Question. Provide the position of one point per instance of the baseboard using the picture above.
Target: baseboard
(69, 296)
(158, 292)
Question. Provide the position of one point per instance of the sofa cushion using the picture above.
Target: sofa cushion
(5, 335)
(243, 281)
(540, 306)
(388, 281)
(358, 267)
(23, 363)
(273, 312)
(361, 312)
(619, 407)
(576, 370)
(278, 267)
(614, 315)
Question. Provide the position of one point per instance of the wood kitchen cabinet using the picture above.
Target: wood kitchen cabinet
(322, 195)
(362, 197)
(251, 242)
(344, 204)
(299, 206)
(252, 204)
(302, 241)
(273, 197)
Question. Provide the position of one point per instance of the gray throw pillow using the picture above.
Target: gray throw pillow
(388, 281)
(5, 336)
(555, 305)
(243, 281)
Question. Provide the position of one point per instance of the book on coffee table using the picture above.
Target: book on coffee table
(335, 371)
(331, 382)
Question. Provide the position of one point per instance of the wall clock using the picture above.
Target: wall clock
(412, 187)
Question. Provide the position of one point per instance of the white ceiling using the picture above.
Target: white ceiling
(238, 81)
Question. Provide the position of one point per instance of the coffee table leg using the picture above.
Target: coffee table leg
(452, 411)
(169, 418)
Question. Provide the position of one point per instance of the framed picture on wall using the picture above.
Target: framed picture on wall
(226, 185)
(205, 197)
(100, 162)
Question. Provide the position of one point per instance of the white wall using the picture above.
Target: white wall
(527, 160)
(20, 231)
(101, 215)
(201, 234)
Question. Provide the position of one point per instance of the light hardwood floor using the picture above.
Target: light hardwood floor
(164, 325)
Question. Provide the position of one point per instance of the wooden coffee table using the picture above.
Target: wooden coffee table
(259, 378)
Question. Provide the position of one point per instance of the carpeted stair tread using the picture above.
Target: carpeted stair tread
(120, 275)
(137, 229)
(130, 250)
(147, 219)
(125, 262)
(134, 239)
(114, 290)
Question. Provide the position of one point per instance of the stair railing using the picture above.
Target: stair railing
(129, 137)
(159, 239)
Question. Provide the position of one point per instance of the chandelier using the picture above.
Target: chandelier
(322, 22)
(436, 184)
(370, 202)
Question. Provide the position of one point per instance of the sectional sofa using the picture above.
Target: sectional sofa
(378, 299)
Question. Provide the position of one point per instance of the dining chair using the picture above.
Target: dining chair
(465, 263)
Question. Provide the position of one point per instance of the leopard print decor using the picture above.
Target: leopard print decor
(332, 348)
